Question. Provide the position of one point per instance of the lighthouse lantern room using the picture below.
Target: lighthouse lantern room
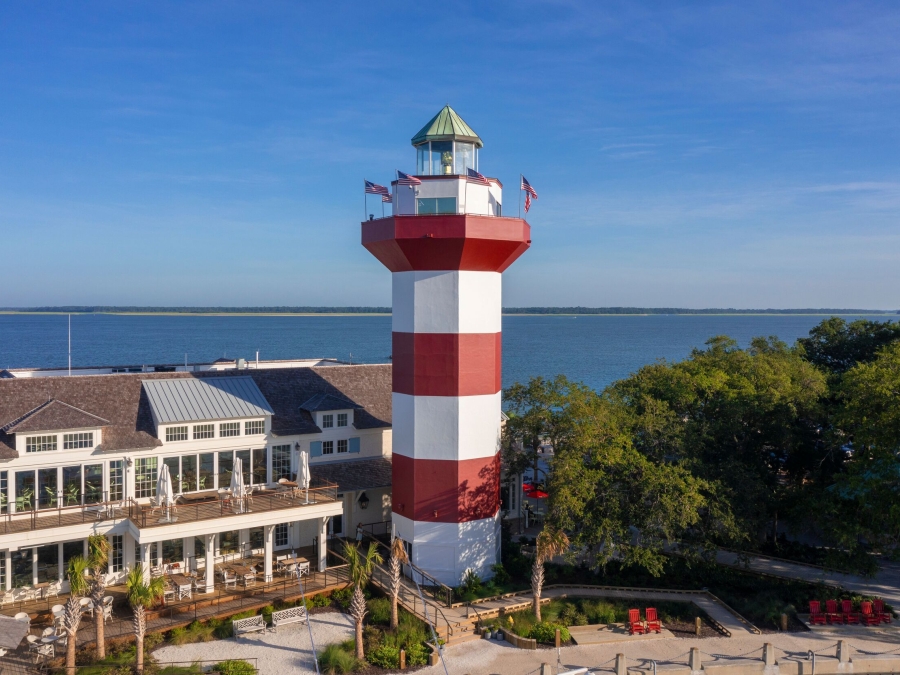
(447, 244)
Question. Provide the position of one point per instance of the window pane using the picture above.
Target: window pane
(79, 440)
(446, 205)
(226, 466)
(173, 551)
(145, 474)
(24, 490)
(227, 429)
(259, 466)
(342, 419)
(256, 537)
(72, 549)
(48, 563)
(422, 160)
(425, 207)
(174, 471)
(4, 492)
(47, 488)
(116, 553)
(442, 158)
(176, 434)
(202, 431)
(116, 480)
(206, 475)
(464, 158)
(281, 534)
(21, 568)
(200, 547)
(228, 541)
(189, 473)
(71, 485)
(281, 462)
(93, 483)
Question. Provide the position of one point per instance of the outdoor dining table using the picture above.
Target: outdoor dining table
(183, 584)
(41, 588)
(246, 573)
(196, 497)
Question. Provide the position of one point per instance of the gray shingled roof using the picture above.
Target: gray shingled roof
(54, 415)
(123, 401)
(182, 400)
(327, 402)
(355, 475)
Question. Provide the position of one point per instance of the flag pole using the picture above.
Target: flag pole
(520, 195)
(365, 202)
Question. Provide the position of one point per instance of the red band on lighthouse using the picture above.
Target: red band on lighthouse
(446, 364)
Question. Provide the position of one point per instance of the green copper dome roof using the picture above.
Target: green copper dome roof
(447, 126)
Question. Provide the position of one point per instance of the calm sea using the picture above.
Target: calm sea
(593, 349)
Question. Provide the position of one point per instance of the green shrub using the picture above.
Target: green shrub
(338, 659)
(379, 611)
(501, 576)
(152, 640)
(193, 669)
(416, 654)
(546, 632)
(267, 613)
(342, 597)
(235, 667)
(385, 656)
(320, 600)
(471, 583)
(598, 611)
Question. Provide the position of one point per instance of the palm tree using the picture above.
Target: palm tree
(78, 585)
(141, 596)
(99, 548)
(398, 559)
(360, 569)
(550, 543)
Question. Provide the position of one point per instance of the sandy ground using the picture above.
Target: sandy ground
(288, 650)
(489, 656)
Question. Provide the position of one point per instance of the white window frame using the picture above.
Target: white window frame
(343, 446)
(78, 439)
(41, 443)
(342, 419)
(226, 429)
(176, 434)
(254, 427)
(204, 431)
(327, 447)
(328, 421)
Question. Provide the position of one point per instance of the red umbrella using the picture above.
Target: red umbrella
(536, 494)
(527, 487)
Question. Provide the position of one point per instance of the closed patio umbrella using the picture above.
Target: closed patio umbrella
(165, 492)
(303, 473)
(237, 484)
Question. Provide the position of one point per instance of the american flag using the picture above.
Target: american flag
(527, 187)
(376, 189)
(474, 177)
(406, 179)
(386, 198)
(527, 201)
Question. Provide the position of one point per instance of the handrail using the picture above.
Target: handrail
(384, 582)
(433, 583)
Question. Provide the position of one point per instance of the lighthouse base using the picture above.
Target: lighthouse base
(447, 550)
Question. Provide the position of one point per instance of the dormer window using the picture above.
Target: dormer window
(40, 443)
(342, 419)
(327, 421)
(79, 440)
(174, 434)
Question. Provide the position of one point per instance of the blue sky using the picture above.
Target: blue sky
(693, 155)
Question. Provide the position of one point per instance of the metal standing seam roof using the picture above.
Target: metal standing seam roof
(210, 398)
(447, 125)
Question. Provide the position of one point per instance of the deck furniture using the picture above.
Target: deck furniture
(878, 606)
(87, 607)
(23, 617)
(831, 612)
(867, 614)
(847, 610)
(653, 623)
(816, 617)
(635, 625)
(253, 624)
(200, 497)
(229, 578)
(9, 596)
(290, 615)
(53, 590)
(182, 585)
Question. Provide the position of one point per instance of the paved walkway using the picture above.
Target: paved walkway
(885, 584)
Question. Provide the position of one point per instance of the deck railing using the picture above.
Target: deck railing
(145, 515)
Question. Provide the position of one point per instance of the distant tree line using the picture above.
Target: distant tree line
(112, 309)
(729, 447)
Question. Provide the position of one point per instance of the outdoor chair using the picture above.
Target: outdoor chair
(815, 613)
(867, 614)
(26, 593)
(8, 597)
(23, 617)
(884, 616)
(53, 590)
(847, 610)
(635, 625)
(653, 622)
(87, 607)
(831, 612)
(48, 632)
(229, 578)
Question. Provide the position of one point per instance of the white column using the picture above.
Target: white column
(323, 542)
(268, 550)
(8, 570)
(209, 539)
(145, 561)
(34, 565)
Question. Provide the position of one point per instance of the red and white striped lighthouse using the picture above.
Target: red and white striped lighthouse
(447, 244)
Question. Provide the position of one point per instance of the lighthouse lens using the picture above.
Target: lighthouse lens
(465, 157)
(441, 158)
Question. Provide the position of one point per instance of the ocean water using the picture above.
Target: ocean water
(595, 350)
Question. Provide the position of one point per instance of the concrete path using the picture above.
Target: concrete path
(717, 611)
(885, 584)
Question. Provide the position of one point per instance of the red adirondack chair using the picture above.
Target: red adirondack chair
(815, 613)
(653, 622)
(635, 625)
(885, 617)
(831, 612)
(869, 618)
(847, 610)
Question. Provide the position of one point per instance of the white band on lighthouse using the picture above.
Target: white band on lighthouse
(446, 302)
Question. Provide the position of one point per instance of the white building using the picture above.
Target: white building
(80, 455)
